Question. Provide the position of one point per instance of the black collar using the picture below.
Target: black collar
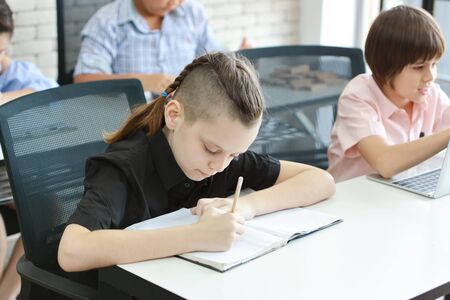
(165, 164)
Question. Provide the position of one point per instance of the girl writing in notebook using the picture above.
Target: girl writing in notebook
(189, 144)
(396, 117)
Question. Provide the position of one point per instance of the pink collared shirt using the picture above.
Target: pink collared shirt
(364, 110)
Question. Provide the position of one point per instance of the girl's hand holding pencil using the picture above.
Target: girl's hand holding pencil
(241, 207)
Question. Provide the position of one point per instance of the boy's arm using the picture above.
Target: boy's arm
(8, 96)
(389, 160)
(156, 83)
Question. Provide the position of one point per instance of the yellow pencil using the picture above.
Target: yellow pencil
(236, 194)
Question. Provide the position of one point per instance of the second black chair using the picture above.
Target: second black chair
(302, 85)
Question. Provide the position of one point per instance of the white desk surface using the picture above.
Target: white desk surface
(392, 245)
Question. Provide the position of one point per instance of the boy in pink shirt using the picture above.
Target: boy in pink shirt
(382, 116)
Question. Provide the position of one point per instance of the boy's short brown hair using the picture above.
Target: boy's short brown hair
(400, 36)
(6, 18)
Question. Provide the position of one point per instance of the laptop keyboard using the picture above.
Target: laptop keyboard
(424, 183)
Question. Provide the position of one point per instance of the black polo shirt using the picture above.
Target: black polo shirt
(138, 178)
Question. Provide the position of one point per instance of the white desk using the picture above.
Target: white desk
(392, 245)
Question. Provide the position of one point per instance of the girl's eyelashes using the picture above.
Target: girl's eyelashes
(214, 151)
(210, 150)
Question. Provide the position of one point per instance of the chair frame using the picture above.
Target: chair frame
(355, 54)
(64, 76)
(34, 276)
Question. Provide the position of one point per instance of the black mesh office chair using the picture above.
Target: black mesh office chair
(301, 85)
(46, 138)
(71, 18)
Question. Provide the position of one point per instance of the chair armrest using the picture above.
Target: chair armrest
(54, 282)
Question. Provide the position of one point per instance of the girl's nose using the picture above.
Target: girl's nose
(217, 166)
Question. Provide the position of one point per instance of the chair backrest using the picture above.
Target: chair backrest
(46, 138)
(301, 85)
(71, 18)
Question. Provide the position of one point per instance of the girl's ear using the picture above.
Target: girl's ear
(173, 114)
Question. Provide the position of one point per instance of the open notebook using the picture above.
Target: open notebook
(263, 234)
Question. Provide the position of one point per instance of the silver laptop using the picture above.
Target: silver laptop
(430, 178)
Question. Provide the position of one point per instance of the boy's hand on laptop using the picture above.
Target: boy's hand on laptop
(224, 204)
(217, 231)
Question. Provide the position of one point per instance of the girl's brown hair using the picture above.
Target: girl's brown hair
(6, 18)
(401, 36)
(210, 84)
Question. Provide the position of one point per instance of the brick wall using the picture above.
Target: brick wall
(263, 22)
(35, 34)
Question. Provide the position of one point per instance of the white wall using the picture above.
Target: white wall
(441, 10)
(264, 22)
(35, 33)
(310, 21)
(341, 23)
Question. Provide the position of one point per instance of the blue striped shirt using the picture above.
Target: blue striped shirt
(117, 39)
(22, 75)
